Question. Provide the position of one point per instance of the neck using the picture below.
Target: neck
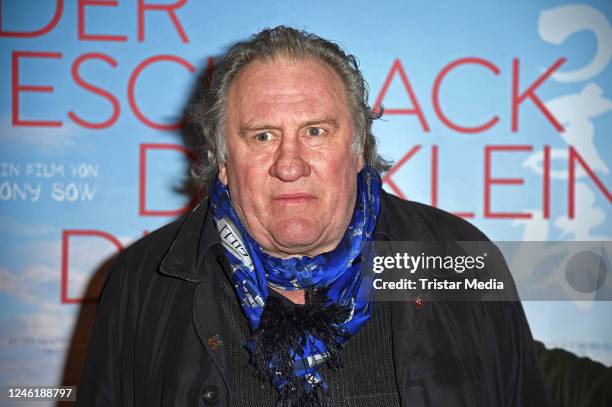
(296, 296)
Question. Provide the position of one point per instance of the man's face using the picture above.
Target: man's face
(291, 166)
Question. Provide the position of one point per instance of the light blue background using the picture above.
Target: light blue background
(425, 36)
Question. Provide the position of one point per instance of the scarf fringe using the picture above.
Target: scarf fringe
(283, 331)
(300, 396)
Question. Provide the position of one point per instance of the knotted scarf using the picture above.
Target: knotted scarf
(290, 342)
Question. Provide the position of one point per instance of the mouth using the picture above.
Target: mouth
(295, 198)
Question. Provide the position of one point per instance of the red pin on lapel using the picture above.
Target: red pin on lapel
(214, 343)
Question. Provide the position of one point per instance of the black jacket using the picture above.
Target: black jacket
(153, 341)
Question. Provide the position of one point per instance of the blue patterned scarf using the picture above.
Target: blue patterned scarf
(289, 344)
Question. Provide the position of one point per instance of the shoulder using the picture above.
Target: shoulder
(151, 248)
(135, 274)
(491, 339)
(137, 266)
(425, 221)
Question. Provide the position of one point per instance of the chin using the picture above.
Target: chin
(296, 234)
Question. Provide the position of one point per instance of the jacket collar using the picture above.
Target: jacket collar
(198, 234)
(383, 229)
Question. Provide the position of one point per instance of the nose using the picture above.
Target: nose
(289, 164)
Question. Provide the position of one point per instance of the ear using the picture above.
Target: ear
(223, 173)
(361, 154)
(360, 161)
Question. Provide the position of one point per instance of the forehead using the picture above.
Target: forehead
(286, 88)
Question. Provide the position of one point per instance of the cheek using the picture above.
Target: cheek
(338, 167)
(244, 161)
(246, 181)
(338, 177)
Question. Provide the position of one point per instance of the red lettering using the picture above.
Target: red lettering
(573, 157)
(59, 8)
(434, 175)
(436, 95)
(168, 8)
(66, 234)
(17, 87)
(132, 86)
(210, 69)
(397, 67)
(546, 182)
(142, 209)
(489, 180)
(96, 90)
(517, 98)
(81, 21)
(435, 183)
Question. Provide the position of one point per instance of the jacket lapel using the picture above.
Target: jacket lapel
(406, 319)
(195, 256)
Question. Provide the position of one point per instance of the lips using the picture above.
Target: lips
(294, 198)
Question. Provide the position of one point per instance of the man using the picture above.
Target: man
(257, 298)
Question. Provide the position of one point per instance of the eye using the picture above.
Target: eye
(315, 131)
(266, 136)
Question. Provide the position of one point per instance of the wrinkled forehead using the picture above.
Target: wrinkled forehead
(286, 87)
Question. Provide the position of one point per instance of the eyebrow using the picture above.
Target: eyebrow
(249, 127)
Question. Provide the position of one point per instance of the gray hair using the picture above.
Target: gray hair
(208, 113)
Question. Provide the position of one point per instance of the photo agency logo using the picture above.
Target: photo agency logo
(491, 271)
